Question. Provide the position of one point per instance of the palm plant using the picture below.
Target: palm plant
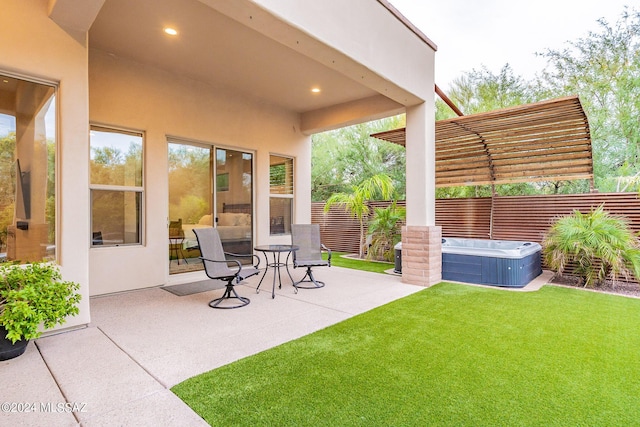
(384, 228)
(597, 244)
(355, 202)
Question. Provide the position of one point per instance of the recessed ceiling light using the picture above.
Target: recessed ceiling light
(315, 90)
(171, 31)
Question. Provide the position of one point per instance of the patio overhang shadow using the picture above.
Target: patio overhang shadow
(548, 140)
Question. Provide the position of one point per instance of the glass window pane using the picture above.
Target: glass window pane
(116, 217)
(116, 157)
(27, 170)
(190, 184)
(281, 213)
(281, 175)
(190, 201)
(234, 210)
(234, 180)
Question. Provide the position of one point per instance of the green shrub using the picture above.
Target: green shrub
(598, 245)
(385, 232)
(32, 295)
(356, 202)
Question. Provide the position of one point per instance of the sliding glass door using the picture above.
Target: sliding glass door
(208, 186)
(234, 186)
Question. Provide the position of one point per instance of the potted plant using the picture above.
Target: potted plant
(32, 296)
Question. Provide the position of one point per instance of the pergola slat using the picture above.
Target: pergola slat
(546, 140)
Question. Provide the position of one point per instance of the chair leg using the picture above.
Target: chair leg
(229, 293)
(309, 274)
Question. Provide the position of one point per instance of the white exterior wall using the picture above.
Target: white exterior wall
(421, 165)
(359, 38)
(35, 47)
(394, 61)
(130, 95)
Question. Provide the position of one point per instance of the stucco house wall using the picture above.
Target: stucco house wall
(364, 42)
(35, 47)
(131, 95)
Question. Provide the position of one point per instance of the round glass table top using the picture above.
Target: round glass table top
(276, 248)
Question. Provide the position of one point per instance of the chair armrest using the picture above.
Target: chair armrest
(226, 261)
(256, 258)
(328, 253)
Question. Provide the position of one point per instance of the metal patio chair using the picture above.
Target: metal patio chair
(176, 239)
(216, 266)
(307, 238)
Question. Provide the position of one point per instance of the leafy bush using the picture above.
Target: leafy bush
(355, 203)
(384, 228)
(32, 295)
(597, 245)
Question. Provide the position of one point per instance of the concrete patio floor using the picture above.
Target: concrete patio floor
(119, 369)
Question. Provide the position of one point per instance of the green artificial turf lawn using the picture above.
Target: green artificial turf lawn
(451, 355)
(358, 264)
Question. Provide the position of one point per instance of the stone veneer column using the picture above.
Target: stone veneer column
(422, 255)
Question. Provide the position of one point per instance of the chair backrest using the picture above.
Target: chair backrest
(97, 238)
(307, 237)
(211, 248)
(175, 229)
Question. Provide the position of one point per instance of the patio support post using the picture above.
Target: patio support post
(421, 238)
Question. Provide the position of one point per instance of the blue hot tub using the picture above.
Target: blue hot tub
(490, 262)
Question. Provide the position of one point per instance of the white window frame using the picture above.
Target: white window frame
(281, 195)
(121, 188)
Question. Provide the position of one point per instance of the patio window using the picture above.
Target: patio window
(27, 170)
(281, 195)
(117, 190)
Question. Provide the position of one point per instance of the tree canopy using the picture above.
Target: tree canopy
(602, 68)
(349, 156)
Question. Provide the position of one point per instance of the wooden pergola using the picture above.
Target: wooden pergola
(548, 140)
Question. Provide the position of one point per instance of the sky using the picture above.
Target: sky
(473, 33)
(8, 123)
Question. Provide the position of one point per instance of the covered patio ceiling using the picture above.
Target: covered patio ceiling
(215, 48)
(548, 140)
(241, 46)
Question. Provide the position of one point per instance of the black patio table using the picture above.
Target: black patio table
(276, 251)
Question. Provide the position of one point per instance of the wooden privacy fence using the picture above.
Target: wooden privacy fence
(501, 218)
